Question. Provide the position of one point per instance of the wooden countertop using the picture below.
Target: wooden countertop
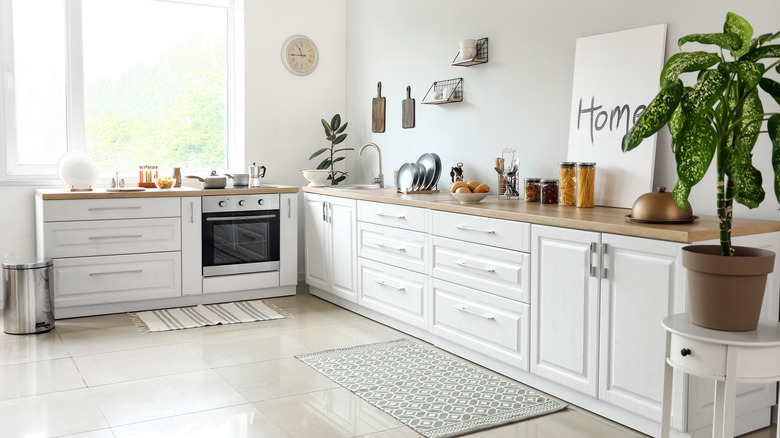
(101, 193)
(600, 219)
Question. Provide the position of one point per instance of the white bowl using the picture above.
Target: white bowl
(470, 198)
(316, 177)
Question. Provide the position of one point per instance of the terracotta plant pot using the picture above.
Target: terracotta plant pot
(726, 293)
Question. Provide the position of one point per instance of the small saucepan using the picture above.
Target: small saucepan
(239, 179)
(212, 181)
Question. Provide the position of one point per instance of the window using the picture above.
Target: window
(130, 82)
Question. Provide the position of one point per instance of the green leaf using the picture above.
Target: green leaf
(318, 152)
(684, 62)
(773, 128)
(771, 87)
(657, 113)
(342, 128)
(695, 147)
(325, 164)
(340, 179)
(738, 26)
(343, 149)
(340, 138)
(728, 41)
(336, 160)
(754, 55)
(335, 122)
(750, 127)
(328, 131)
(680, 195)
(765, 38)
(747, 180)
(750, 73)
(676, 122)
(706, 92)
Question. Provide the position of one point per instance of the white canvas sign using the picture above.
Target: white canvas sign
(615, 76)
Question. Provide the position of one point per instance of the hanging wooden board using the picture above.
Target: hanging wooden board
(378, 111)
(407, 110)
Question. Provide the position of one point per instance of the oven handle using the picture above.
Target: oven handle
(239, 218)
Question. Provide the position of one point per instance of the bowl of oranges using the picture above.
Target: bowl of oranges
(470, 192)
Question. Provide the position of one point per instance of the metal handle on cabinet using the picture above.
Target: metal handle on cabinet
(383, 283)
(468, 228)
(481, 268)
(192, 212)
(125, 236)
(593, 250)
(464, 308)
(324, 217)
(113, 208)
(685, 352)
(98, 274)
(396, 216)
(289, 208)
(384, 245)
(239, 218)
(330, 213)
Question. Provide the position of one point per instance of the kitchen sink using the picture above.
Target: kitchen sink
(355, 186)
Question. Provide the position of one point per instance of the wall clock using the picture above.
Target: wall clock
(300, 55)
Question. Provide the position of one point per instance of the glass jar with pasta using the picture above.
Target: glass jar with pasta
(566, 187)
(586, 180)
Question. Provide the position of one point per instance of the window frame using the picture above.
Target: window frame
(11, 171)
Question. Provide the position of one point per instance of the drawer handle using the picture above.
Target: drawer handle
(685, 352)
(99, 274)
(396, 216)
(468, 228)
(464, 308)
(113, 208)
(383, 283)
(384, 245)
(125, 236)
(481, 268)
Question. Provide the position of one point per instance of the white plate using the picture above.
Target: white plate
(78, 170)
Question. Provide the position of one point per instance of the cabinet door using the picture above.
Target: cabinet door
(343, 248)
(288, 230)
(639, 289)
(316, 235)
(191, 250)
(564, 307)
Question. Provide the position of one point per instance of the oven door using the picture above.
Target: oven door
(240, 242)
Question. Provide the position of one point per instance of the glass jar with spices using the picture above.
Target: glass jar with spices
(566, 186)
(533, 189)
(586, 181)
(549, 189)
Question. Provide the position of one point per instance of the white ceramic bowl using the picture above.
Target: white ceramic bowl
(470, 198)
(316, 177)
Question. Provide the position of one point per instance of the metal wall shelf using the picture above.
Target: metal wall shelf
(438, 87)
(480, 58)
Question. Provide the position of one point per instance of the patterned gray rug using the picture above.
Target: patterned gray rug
(435, 394)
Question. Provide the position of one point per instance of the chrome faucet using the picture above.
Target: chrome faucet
(381, 178)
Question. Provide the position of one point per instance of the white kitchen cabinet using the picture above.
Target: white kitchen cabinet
(564, 311)
(394, 292)
(288, 239)
(331, 255)
(191, 251)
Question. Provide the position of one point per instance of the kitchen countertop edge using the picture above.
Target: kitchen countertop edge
(599, 219)
(101, 193)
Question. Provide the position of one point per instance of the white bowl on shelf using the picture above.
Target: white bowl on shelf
(470, 198)
(316, 177)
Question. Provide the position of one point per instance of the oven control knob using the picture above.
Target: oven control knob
(241, 203)
(260, 202)
(222, 203)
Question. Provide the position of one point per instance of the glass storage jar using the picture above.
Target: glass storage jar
(566, 186)
(586, 180)
(533, 189)
(549, 189)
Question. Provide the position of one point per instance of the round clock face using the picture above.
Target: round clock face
(299, 55)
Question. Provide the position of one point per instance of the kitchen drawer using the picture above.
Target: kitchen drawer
(491, 325)
(394, 246)
(124, 236)
(401, 216)
(394, 292)
(494, 270)
(124, 208)
(483, 230)
(702, 357)
(87, 281)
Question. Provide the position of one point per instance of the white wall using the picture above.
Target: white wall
(521, 98)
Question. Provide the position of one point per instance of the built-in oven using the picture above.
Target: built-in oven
(240, 234)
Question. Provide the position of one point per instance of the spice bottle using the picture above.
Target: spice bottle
(586, 180)
(532, 189)
(549, 189)
(566, 186)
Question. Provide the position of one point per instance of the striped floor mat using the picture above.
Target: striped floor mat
(203, 315)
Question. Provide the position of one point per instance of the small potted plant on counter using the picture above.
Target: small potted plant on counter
(334, 133)
(719, 120)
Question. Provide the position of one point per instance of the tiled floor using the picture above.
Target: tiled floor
(97, 377)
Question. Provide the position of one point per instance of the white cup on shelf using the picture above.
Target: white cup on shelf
(447, 94)
(468, 49)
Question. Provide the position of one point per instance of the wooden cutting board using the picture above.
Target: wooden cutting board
(407, 110)
(378, 111)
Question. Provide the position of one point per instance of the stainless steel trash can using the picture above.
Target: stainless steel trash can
(27, 297)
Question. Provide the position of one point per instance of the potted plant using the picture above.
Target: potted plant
(334, 133)
(719, 119)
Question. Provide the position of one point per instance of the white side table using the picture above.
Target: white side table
(727, 357)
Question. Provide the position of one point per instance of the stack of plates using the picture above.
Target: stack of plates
(419, 176)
